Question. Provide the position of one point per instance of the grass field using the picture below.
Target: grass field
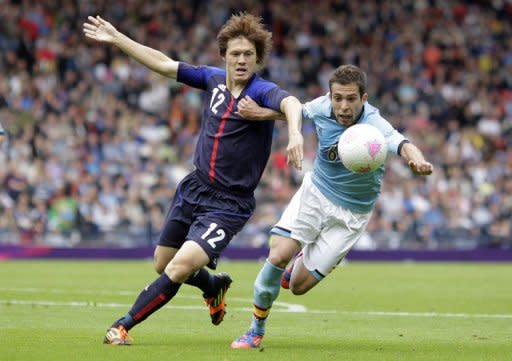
(59, 310)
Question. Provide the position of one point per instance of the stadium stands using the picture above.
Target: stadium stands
(97, 143)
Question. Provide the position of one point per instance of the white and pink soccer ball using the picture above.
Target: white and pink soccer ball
(362, 148)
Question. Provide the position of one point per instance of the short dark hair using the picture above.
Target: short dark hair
(347, 74)
(250, 27)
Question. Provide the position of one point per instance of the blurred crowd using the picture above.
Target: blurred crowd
(96, 143)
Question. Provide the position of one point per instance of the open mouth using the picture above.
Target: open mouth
(345, 118)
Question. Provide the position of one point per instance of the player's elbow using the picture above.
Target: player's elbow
(168, 68)
(290, 104)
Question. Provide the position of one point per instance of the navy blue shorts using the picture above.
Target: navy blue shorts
(206, 215)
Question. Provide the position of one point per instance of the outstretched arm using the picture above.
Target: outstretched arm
(102, 31)
(292, 108)
(416, 160)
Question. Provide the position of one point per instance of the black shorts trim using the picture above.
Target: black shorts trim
(405, 141)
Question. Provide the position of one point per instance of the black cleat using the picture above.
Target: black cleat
(216, 303)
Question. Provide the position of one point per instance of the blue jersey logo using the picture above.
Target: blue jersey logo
(332, 153)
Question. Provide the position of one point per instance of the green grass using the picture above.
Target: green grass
(59, 310)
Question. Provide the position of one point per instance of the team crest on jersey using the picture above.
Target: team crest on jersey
(332, 153)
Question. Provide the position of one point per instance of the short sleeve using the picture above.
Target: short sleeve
(272, 96)
(307, 111)
(194, 76)
(393, 137)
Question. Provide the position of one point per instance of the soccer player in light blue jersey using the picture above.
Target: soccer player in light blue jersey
(331, 209)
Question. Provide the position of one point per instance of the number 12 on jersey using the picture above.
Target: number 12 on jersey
(219, 235)
(219, 99)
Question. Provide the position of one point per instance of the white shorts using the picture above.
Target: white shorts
(326, 231)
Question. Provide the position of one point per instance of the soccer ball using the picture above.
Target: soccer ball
(362, 148)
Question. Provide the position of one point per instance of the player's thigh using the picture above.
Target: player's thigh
(181, 213)
(300, 223)
(302, 279)
(213, 232)
(172, 237)
(303, 217)
(341, 231)
(162, 256)
(188, 259)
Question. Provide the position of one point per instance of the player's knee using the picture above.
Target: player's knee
(298, 290)
(179, 272)
(302, 284)
(159, 264)
(159, 268)
(278, 259)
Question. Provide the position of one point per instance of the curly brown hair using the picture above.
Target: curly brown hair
(251, 28)
(347, 74)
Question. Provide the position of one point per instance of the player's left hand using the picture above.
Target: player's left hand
(421, 167)
(295, 150)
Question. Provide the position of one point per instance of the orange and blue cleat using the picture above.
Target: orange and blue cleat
(118, 336)
(247, 341)
(216, 303)
(286, 276)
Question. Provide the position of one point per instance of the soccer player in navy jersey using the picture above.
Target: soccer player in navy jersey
(214, 201)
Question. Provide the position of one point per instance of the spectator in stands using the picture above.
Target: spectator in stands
(455, 64)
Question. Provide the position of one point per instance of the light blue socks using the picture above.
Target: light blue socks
(266, 290)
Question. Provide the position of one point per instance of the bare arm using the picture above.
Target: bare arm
(102, 31)
(415, 159)
(292, 108)
(249, 109)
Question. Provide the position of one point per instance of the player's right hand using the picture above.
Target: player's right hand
(248, 109)
(421, 167)
(99, 29)
(295, 150)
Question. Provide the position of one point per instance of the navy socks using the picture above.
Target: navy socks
(151, 299)
(203, 280)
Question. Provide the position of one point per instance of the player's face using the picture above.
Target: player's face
(347, 103)
(240, 59)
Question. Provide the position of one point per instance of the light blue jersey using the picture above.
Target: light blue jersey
(357, 192)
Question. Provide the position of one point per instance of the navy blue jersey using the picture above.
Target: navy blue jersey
(231, 152)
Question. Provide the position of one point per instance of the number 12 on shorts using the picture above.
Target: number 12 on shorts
(219, 234)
